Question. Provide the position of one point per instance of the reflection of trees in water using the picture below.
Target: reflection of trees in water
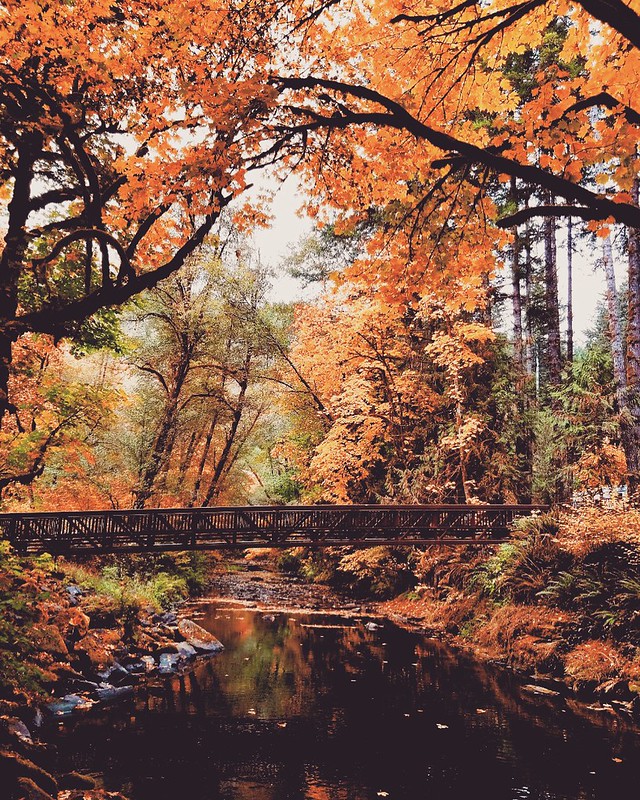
(296, 708)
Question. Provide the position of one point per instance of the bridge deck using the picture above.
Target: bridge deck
(91, 532)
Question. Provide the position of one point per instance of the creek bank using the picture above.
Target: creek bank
(67, 649)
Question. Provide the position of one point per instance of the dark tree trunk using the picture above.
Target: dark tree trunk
(615, 326)
(529, 356)
(162, 441)
(554, 348)
(570, 290)
(516, 274)
(12, 259)
(222, 463)
(630, 418)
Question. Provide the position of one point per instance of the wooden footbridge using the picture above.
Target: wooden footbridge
(96, 532)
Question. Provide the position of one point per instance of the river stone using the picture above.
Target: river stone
(16, 729)
(185, 650)
(110, 694)
(149, 663)
(168, 663)
(117, 675)
(74, 592)
(65, 706)
(198, 637)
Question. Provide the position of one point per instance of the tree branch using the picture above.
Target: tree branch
(398, 117)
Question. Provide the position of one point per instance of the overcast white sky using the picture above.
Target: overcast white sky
(288, 228)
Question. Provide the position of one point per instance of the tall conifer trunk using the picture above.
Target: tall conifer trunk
(615, 326)
(554, 349)
(630, 418)
(569, 290)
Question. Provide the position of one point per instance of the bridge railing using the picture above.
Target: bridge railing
(130, 530)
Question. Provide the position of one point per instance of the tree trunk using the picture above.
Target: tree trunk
(161, 443)
(203, 460)
(220, 467)
(630, 418)
(11, 261)
(554, 350)
(529, 357)
(570, 290)
(615, 326)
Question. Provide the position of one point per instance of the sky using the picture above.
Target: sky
(289, 228)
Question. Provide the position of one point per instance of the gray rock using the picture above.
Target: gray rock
(117, 675)
(111, 694)
(168, 663)
(67, 705)
(149, 663)
(74, 592)
(198, 637)
(185, 650)
(166, 618)
(16, 729)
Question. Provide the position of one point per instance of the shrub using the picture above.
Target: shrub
(521, 569)
(380, 572)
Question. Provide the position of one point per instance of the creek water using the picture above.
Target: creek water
(318, 706)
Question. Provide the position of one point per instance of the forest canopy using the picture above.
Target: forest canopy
(451, 152)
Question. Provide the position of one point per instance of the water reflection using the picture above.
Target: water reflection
(319, 708)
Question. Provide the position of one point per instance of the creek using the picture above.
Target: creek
(323, 706)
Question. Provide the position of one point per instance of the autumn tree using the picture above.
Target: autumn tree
(124, 130)
(429, 106)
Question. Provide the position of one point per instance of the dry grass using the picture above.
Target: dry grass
(595, 660)
(584, 531)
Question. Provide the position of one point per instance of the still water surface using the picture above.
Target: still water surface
(319, 707)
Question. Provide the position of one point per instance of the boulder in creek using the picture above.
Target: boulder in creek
(117, 675)
(67, 705)
(198, 637)
(112, 694)
(13, 729)
(148, 663)
(168, 663)
(185, 650)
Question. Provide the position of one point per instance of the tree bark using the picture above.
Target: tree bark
(160, 448)
(615, 326)
(569, 290)
(554, 350)
(221, 465)
(630, 418)
(12, 259)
